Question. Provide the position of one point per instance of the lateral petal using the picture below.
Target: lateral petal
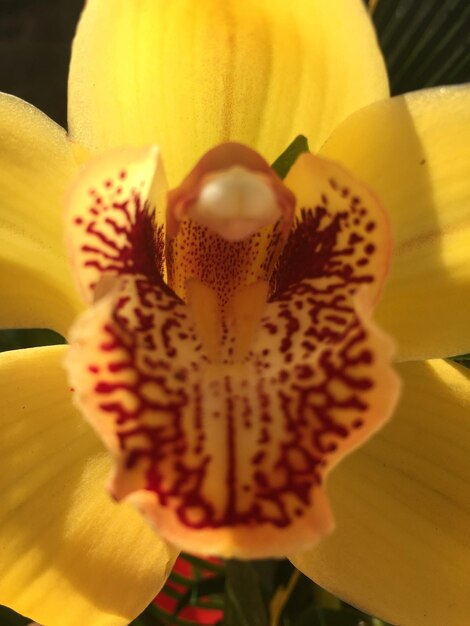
(69, 555)
(401, 549)
(115, 218)
(36, 165)
(191, 75)
(414, 152)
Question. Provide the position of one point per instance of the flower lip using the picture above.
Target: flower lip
(228, 379)
(209, 194)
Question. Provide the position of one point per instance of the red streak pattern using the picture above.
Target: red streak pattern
(117, 234)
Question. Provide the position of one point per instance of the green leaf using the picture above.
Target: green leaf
(316, 616)
(244, 601)
(10, 618)
(462, 359)
(158, 617)
(16, 338)
(424, 43)
(287, 159)
(203, 564)
(200, 589)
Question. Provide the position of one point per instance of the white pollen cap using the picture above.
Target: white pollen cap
(235, 204)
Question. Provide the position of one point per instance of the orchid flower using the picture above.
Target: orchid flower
(229, 339)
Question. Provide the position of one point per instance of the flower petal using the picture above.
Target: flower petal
(414, 151)
(190, 75)
(223, 429)
(342, 235)
(401, 549)
(115, 218)
(36, 164)
(69, 555)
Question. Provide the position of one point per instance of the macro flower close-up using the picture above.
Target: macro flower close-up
(260, 262)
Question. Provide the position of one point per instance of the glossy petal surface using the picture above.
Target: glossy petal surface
(36, 165)
(401, 549)
(190, 74)
(69, 555)
(225, 416)
(414, 151)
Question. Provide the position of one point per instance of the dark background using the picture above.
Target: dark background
(35, 42)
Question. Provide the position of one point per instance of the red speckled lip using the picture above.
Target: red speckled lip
(228, 378)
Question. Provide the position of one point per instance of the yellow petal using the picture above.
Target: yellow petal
(70, 556)
(187, 75)
(36, 164)
(401, 549)
(114, 221)
(414, 150)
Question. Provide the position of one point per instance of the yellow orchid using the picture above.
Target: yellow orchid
(222, 89)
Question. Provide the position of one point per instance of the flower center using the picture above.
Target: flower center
(235, 203)
(226, 226)
(226, 223)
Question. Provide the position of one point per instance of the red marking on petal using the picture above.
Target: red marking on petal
(111, 220)
(224, 266)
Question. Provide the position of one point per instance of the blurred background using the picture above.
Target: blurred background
(425, 43)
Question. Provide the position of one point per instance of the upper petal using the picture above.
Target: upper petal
(401, 549)
(190, 74)
(414, 150)
(36, 165)
(69, 555)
